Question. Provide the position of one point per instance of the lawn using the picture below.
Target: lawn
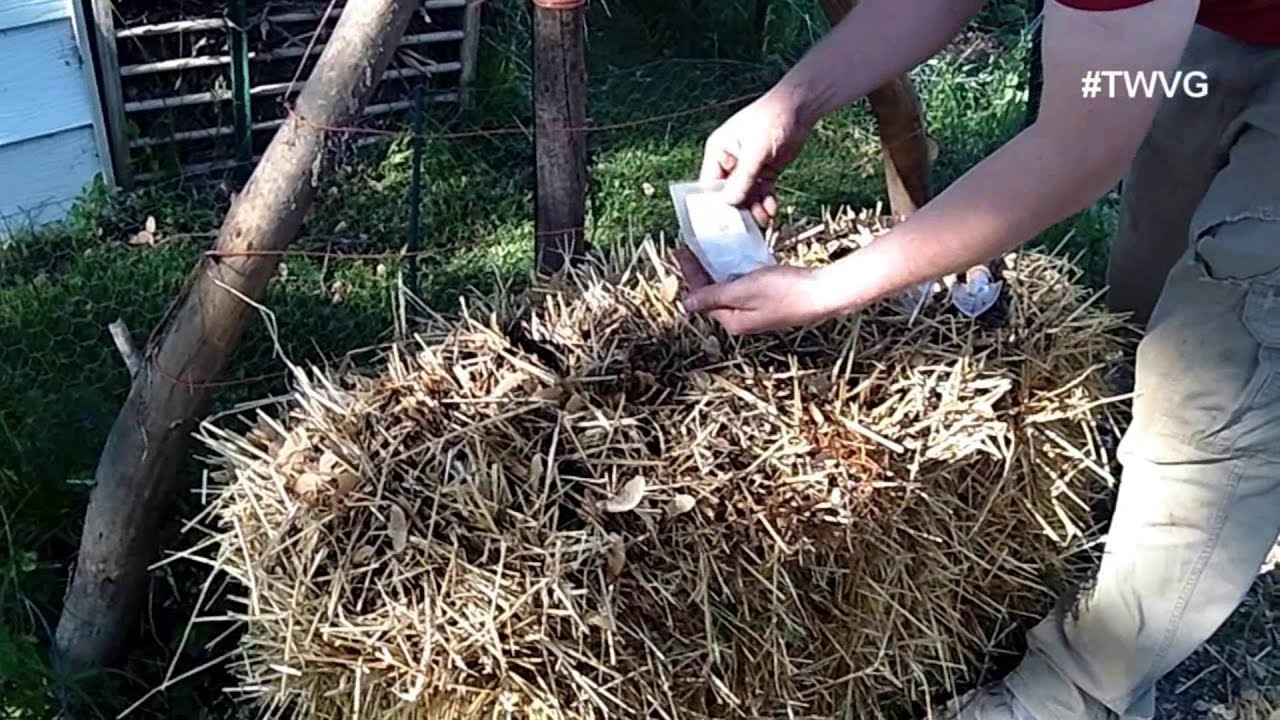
(62, 381)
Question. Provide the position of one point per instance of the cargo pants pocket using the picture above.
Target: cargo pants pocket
(1243, 250)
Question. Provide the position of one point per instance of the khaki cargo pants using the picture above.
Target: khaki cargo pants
(1198, 252)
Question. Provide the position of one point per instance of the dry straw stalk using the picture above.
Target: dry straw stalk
(579, 503)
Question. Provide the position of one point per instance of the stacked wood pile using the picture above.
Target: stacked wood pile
(578, 502)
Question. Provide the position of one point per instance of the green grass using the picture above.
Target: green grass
(62, 381)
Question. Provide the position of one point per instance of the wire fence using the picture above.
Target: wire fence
(651, 112)
(662, 75)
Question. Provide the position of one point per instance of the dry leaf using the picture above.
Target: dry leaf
(308, 484)
(617, 558)
(711, 346)
(142, 238)
(362, 555)
(398, 528)
(819, 384)
(150, 225)
(510, 381)
(552, 393)
(348, 480)
(680, 505)
(576, 403)
(646, 379)
(537, 466)
(292, 451)
(274, 445)
(329, 462)
(628, 498)
(701, 379)
(601, 621)
(670, 288)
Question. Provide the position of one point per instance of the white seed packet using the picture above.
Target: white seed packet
(725, 239)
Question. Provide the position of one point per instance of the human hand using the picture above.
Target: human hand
(772, 298)
(750, 150)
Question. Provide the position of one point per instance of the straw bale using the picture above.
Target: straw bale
(578, 502)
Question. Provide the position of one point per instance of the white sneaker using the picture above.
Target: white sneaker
(992, 702)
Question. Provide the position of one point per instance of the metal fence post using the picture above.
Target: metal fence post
(241, 97)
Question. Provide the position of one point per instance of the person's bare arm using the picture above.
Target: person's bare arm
(1077, 150)
(876, 41)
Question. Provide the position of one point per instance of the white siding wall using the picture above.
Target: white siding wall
(52, 140)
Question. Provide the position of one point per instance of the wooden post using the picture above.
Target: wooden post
(904, 144)
(759, 18)
(560, 146)
(469, 51)
(138, 473)
(903, 141)
(112, 92)
(1035, 67)
(414, 246)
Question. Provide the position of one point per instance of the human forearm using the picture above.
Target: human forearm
(877, 41)
(1043, 175)
(1036, 180)
(1077, 149)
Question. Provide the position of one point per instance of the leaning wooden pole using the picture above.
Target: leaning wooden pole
(138, 474)
(560, 117)
(903, 141)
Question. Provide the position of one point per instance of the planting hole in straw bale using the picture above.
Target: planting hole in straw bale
(578, 502)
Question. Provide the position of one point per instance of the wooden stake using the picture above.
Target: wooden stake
(470, 50)
(903, 142)
(560, 109)
(124, 344)
(904, 145)
(1035, 68)
(759, 19)
(138, 472)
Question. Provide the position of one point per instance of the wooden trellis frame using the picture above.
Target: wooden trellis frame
(230, 142)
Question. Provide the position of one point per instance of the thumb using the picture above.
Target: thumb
(750, 159)
(708, 298)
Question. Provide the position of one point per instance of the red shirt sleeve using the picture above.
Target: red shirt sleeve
(1102, 4)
